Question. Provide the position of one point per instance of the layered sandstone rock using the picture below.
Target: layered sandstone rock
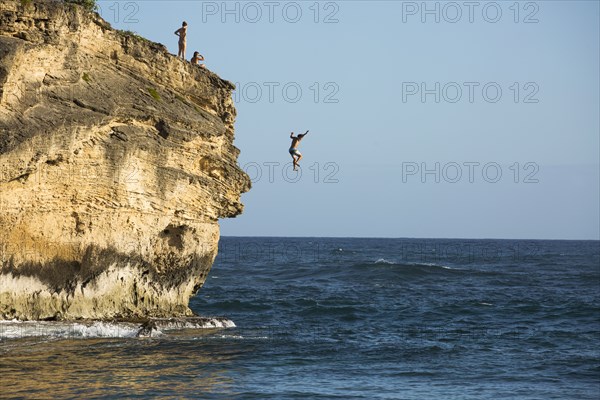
(116, 162)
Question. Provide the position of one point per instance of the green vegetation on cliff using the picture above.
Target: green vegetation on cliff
(89, 4)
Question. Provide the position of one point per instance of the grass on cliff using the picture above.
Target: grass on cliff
(154, 93)
(187, 103)
(132, 34)
(87, 4)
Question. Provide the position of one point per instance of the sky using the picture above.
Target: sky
(427, 119)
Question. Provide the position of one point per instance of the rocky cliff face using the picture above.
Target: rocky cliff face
(116, 162)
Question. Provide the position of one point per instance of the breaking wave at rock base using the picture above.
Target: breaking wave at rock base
(158, 327)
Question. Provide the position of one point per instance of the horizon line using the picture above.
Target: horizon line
(402, 237)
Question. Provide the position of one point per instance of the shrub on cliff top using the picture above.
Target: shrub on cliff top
(88, 4)
(131, 34)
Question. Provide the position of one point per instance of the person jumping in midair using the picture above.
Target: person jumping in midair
(182, 32)
(296, 155)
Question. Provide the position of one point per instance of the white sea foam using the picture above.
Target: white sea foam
(436, 265)
(193, 323)
(100, 329)
(426, 264)
(96, 329)
(414, 264)
(383, 261)
(242, 337)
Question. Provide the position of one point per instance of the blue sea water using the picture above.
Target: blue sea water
(349, 319)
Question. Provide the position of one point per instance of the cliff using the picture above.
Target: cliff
(116, 162)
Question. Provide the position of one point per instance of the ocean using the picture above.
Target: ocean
(329, 318)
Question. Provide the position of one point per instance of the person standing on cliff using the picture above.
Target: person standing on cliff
(296, 155)
(182, 32)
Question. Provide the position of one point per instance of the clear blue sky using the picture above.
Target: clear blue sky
(387, 92)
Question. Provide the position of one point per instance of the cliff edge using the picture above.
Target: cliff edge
(116, 162)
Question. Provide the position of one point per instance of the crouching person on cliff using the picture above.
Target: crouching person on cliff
(197, 58)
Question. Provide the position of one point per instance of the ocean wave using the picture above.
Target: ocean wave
(106, 329)
(339, 311)
(193, 323)
(406, 267)
(243, 337)
(93, 329)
